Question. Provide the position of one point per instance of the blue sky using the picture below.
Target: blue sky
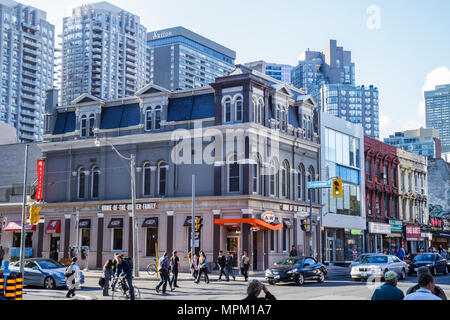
(409, 51)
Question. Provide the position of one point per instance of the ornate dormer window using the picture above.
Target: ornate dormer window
(153, 118)
(227, 109)
(87, 125)
(233, 108)
(238, 103)
(258, 110)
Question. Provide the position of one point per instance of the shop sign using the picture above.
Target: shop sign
(129, 207)
(292, 208)
(40, 176)
(379, 228)
(427, 235)
(396, 226)
(413, 232)
(357, 232)
(254, 229)
(446, 224)
(268, 217)
(436, 224)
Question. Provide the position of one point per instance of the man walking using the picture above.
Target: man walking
(163, 268)
(245, 265)
(389, 290)
(229, 266)
(176, 267)
(401, 253)
(221, 261)
(442, 252)
(437, 290)
(293, 252)
(72, 274)
(123, 269)
(426, 283)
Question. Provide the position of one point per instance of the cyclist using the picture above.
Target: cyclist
(124, 270)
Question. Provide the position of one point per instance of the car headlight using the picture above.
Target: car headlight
(268, 271)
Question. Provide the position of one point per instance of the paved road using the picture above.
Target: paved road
(336, 288)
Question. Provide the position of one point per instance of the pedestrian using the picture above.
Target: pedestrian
(389, 290)
(293, 252)
(124, 270)
(107, 275)
(72, 273)
(437, 290)
(427, 285)
(163, 268)
(175, 267)
(421, 249)
(229, 266)
(442, 252)
(245, 265)
(254, 290)
(2, 255)
(194, 267)
(202, 268)
(401, 253)
(221, 261)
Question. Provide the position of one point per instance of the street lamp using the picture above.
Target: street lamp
(132, 160)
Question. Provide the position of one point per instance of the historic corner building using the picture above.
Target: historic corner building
(343, 219)
(264, 169)
(396, 198)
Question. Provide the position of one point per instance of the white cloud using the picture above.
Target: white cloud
(436, 77)
(390, 125)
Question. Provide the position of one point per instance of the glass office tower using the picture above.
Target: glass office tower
(438, 113)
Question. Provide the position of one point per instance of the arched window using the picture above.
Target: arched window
(95, 180)
(83, 126)
(257, 179)
(233, 174)
(158, 117)
(153, 118)
(148, 119)
(283, 120)
(162, 178)
(227, 109)
(81, 183)
(239, 109)
(301, 183)
(255, 110)
(278, 115)
(91, 125)
(285, 179)
(146, 172)
(274, 178)
(260, 111)
(308, 128)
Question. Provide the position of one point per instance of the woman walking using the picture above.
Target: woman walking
(245, 265)
(107, 275)
(202, 268)
(194, 267)
(72, 274)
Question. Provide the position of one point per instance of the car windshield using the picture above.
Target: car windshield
(288, 262)
(375, 259)
(49, 264)
(424, 257)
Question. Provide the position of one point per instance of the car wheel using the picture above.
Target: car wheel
(271, 282)
(321, 278)
(49, 283)
(403, 275)
(434, 272)
(300, 280)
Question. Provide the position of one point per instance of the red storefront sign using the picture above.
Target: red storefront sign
(40, 175)
(413, 232)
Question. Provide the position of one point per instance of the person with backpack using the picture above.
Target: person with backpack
(202, 266)
(124, 270)
(72, 273)
(245, 265)
(163, 268)
(229, 266)
(175, 267)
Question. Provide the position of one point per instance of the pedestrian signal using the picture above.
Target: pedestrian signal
(337, 188)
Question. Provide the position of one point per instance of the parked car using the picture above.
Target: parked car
(43, 273)
(410, 257)
(298, 270)
(377, 265)
(434, 261)
(359, 260)
(448, 261)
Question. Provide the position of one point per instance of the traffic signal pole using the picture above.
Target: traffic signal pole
(22, 236)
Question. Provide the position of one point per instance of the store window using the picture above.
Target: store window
(354, 245)
(151, 241)
(17, 239)
(85, 237)
(117, 239)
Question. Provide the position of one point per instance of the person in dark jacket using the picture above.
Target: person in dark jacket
(175, 267)
(245, 265)
(389, 290)
(163, 268)
(437, 290)
(107, 275)
(221, 261)
(124, 270)
(229, 266)
(254, 290)
(293, 252)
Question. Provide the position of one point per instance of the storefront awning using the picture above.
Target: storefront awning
(150, 222)
(84, 224)
(17, 226)
(53, 227)
(254, 222)
(115, 223)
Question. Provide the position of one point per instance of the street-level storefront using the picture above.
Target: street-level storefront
(342, 246)
(396, 237)
(14, 231)
(378, 237)
(415, 240)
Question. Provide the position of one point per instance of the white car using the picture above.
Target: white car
(359, 260)
(375, 266)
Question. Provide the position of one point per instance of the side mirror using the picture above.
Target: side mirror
(36, 268)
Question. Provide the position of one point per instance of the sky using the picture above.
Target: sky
(400, 46)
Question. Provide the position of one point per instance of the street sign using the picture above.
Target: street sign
(319, 184)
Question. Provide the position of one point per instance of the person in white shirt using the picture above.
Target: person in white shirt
(426, 283)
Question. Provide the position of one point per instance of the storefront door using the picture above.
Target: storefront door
(54, 247)
(233, 246)
(331, 251)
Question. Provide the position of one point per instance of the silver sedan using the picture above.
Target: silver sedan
(375, 266)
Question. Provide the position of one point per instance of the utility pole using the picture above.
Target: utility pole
(193, 219)
(22, 238)
(134, 221)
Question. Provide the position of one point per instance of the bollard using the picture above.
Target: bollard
(19, 286)
(10, 289)
(2, 284)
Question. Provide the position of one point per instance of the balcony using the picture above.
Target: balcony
(131, 51)
(29, 74)
(96, 44)
(26, 120)
(130, 64)
(29, 66)
(97, 27)
(29, 59)
(26, 112)
(96, 76)
(30, 51)
(29, 82)
(27, 136)
(131, 44)
(29, 90)
(96, 83)
(96, 57)
(97, 36)
(130, 76)
(27, 128)
(97, 50)
(28, 97)
(96, 70)
(30, 44)
(28, 105)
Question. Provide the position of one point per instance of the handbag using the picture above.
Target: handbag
(101, 282)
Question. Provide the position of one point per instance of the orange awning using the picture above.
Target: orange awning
(254, 222)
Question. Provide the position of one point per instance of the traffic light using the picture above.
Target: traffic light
(304, 225)
(34, 215)
(198, 224)
(337, 188)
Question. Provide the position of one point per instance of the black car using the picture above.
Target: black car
(434, 261)
(298, 270)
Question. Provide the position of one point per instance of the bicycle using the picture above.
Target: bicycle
(151, 269)
(121, 291)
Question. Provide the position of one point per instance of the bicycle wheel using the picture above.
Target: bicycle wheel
(151, 269)
(137, 293)
(118, 294)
